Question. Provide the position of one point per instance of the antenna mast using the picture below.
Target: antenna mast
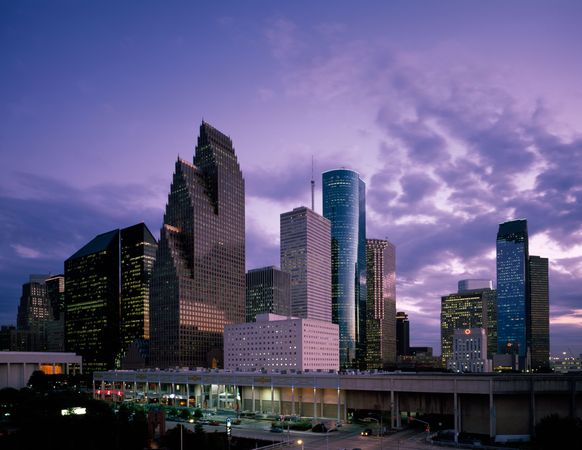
(312, 187)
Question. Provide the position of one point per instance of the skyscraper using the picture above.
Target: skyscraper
(512, 288)
(381, 307)
(344, 204)
(484, 288)
(138, 253)
(539, 317)
(198, 281)
(306, 256)
(55, 329)
(402, 334)
(106, 295)
(34, 312)
(92, 302)
(268, 291)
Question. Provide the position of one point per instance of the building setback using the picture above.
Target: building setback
(306, 256)
(268, 291)
(281, 343)
(106, 295)
(198, 281)
(344, 204)
(381, 307)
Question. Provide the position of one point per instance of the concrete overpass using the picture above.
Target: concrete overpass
(493, 404)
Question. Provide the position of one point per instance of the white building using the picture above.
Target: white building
(17, 367)
(469, 351)
(276, 342)
(306, 256)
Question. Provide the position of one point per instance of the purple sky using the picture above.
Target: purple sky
(458, 115)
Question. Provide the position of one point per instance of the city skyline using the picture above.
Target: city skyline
(454, 126)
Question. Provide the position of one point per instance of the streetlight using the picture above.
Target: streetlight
(300, 442)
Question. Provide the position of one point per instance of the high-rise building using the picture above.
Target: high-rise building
(198, 281)
(138, 253)
(34, 311)
(92, 302)
(473, 284)
(268, 291)
(512, 288)
(402, 334)
(469, 351)
(469, 308)
(539, 317)
(55, 329)
(306, 256)
(106, 295)
(344, 204)
(381, 307)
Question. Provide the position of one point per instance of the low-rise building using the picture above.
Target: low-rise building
(276, 342)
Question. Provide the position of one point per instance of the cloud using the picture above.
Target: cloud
(26, 252)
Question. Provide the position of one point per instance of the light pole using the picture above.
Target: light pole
(300, 442)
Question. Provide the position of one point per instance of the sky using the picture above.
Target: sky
(458, 115)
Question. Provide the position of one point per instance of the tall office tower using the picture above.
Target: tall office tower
(268, 291)
(468, 309)
(484, 288)
(381, 307)
(306, 256)
(92, 302)
(106, 295)
(198, 280)
(344, 204)
(402, 334)
(55, 289)
(55, 329)
(138, 253)
(34, 311)
(512, 289)
(539, 317)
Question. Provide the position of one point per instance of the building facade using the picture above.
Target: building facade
(402, 334)
(34, 312)
(198, 281)
(539, 317)
(306, 256)
(469, 351)
(381, 307)
(268, 291)
(138, 253)
(512, 288)
(281, 343)
(344, 204)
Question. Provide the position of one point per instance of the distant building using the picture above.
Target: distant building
(522, 298)
(34, 311)
(539, 316)
(55, 329)
(469, 351)
(402, 334)
(198, 280)
(344, 204)
(17, 367)
(381, 306)
(281, 343)
(106, 295)
(306, 256)
(470, 309)
(473, 284)
(268, 291)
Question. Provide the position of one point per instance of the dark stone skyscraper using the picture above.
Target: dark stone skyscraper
(402, 334)
(344, 204)
(268, 291)
(539, 317)
(381, 307)
(198, 281)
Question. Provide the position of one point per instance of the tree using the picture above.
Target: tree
(555, 432)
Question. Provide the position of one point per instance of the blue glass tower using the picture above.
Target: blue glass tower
(512, 288)
(344, 204)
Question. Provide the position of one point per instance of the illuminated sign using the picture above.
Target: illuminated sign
(467, 331)
(77, 411)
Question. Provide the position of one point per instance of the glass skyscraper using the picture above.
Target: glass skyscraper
(344, 204)
(198, 280)
(512, 288)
